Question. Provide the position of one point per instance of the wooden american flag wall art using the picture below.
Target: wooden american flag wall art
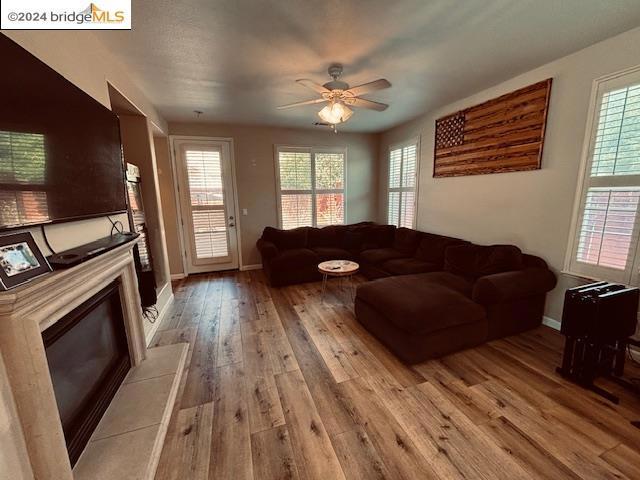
(505, 134)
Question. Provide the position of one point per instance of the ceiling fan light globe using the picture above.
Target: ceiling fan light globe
(335, 113)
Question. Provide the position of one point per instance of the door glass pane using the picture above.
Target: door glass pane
(210, 232)
(204, 170)
(206, 194)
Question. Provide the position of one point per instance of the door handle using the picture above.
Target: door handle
(232, 225)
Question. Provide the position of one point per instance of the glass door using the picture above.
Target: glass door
(207, 201)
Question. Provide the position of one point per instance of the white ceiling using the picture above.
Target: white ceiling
(236, 60)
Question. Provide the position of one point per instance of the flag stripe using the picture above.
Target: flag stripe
(501, 135)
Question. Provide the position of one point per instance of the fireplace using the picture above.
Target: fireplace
(103, 287)
(88, 358)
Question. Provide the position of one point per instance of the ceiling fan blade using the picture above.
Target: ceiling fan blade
(298, 104)
(371, 105)
(316, 87)
(379, 84)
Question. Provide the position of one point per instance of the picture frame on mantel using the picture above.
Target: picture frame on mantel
(505, 134)
(20, 260)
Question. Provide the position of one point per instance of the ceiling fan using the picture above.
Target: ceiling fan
(340, 96)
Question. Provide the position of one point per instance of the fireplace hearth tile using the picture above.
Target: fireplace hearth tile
(129, 439)
(125, 456)
(159, 362)
(136, 405)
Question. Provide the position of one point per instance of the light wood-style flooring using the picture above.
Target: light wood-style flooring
(279, 385)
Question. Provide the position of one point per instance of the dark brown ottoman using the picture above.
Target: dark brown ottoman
(421, 316)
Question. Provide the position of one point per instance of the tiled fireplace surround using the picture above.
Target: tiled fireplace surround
(128, 440)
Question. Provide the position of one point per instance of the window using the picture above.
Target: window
(311, 186)
(606, 230)
(403, 174)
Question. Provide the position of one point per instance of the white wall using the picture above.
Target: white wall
(530, 209)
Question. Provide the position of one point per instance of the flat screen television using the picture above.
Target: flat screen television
(60, 151)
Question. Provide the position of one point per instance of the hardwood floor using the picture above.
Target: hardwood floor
(279, 385)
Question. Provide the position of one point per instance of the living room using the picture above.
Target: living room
(287, 240)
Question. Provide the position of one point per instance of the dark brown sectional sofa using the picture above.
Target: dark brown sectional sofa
(430, 294)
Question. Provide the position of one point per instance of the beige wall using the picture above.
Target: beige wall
(138, 147)
(255, 175)
(165, 182)
(530, 209)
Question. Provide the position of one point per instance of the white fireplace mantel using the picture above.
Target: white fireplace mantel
(29, 310)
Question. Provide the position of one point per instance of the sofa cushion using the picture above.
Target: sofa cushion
(378, 236)
(432, 247)
(332, 253)
(286, 239)
(406, 240)
(449, 280)
(419, 307)
(331, 236)
(474, 261)
(511, 286)
(356, 235)
(406, 266)
(268, 250)
(295, 258)
(378, 256)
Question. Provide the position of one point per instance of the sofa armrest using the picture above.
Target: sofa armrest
(508, 286)
(268, 250)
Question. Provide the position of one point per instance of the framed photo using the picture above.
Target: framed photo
(20, 260)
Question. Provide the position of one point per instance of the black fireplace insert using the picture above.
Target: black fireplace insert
(88, 359)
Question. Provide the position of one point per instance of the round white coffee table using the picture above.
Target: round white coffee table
(338, 268)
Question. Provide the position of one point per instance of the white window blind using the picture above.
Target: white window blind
(312, 186)
(606, 239)
(206, 193)
(401, 196)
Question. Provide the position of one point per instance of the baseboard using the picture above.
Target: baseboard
(243, 268)
(551, 322)
(165, 299)
(256, 266)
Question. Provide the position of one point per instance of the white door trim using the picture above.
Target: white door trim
(176, 193)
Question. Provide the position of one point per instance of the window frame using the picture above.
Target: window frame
(572, 266)
(312, 150)
(395, 146)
